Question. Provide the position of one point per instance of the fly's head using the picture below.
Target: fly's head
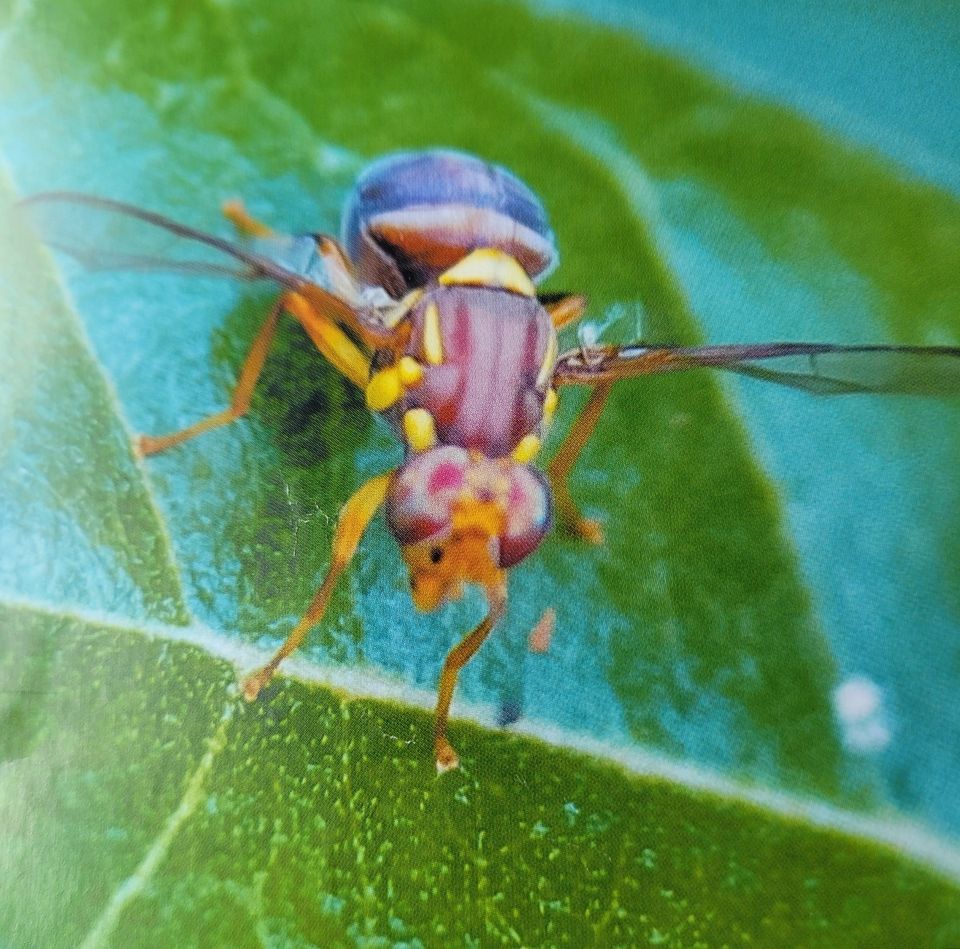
(462, 518)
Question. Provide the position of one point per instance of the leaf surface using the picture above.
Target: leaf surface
(762, 546)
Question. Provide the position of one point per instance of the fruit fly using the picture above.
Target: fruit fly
(429, 304)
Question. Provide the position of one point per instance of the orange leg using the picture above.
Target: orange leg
(240, 401)
(354, 518)
(566, 310)
(342, 301)
(569, 519)
(457, 658)
(327, 336)
(332, 342)
(542, 632)
(234, 211)
(338, 266)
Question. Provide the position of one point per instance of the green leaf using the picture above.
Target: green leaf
(167, 814)
(761, 547)
(77, 518)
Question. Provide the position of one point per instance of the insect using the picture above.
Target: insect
(429, 304)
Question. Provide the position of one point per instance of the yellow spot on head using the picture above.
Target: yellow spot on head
(489, 267)
(527, 449)
(439, 568)
(432, 340)
(420, 429)
(384, 389)
(472, 516)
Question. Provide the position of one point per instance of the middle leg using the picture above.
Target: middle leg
(569, 517)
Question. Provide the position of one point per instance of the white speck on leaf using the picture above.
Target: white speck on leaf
(859, 707)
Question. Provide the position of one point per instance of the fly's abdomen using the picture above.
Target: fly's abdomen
(413, 215)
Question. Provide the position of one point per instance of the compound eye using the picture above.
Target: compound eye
(528, 515)
(436, 555)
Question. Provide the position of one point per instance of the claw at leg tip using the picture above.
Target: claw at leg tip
(144, 445)
(251, 688)
(446, 758)
(583, 528)
(590, 530)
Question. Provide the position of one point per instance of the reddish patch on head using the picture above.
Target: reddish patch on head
(436, 487)
(446, 476)
(423, 492)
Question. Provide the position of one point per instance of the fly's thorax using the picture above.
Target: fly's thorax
(477, 366)
(460, 517)
(413, 215)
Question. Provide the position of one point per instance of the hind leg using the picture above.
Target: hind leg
(239, 401)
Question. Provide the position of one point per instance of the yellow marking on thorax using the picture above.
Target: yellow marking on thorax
(387, 386)
(392, 315)
(432, 339)
(420, 429)
(549, 359)
(411, 372)
(550, 405)
(489, 267)
(527, 449)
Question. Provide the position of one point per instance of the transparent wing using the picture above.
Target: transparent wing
(821, 368)
(103, 234)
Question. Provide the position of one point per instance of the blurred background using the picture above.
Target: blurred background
(883, 74)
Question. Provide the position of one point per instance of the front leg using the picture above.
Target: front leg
(354, 518)
(459, 656)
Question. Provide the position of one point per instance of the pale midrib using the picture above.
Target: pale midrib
(134, 884)
(910, 839)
